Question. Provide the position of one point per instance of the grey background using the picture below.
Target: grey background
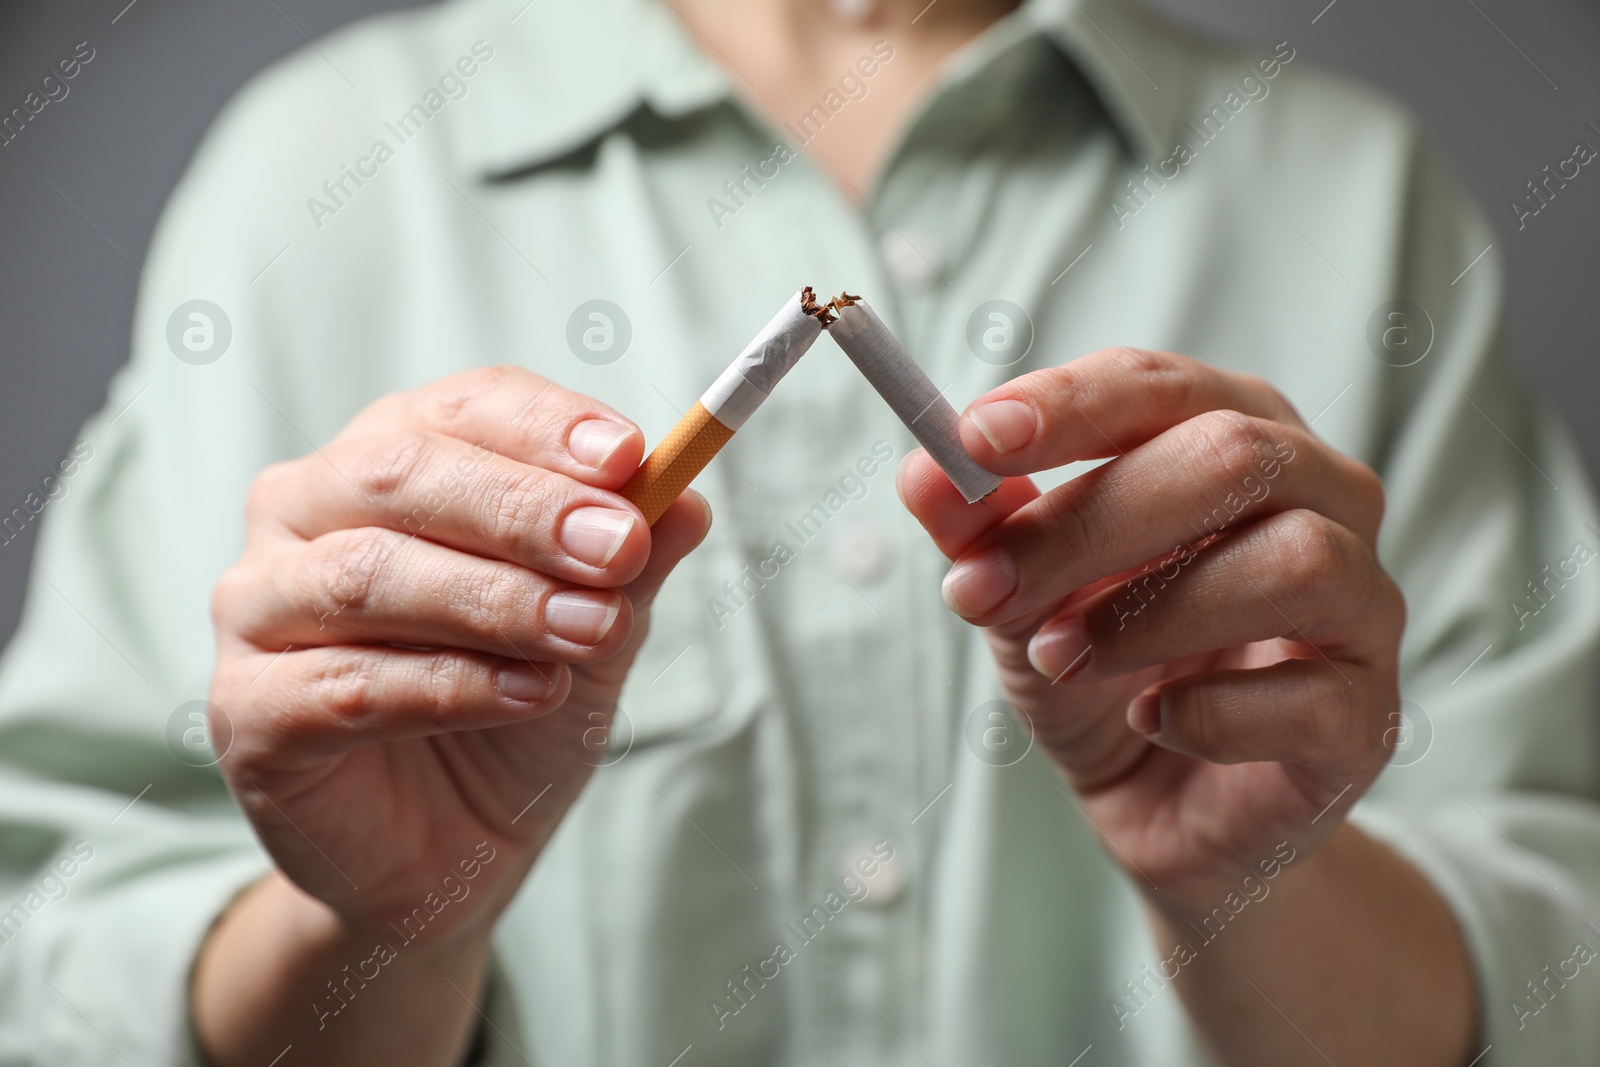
(1502, 87)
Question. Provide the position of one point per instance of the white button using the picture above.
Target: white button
(862, 554)
(876, 867)
(909, 261)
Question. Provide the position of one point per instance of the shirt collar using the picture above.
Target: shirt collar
(567, 71)
(1142, 69)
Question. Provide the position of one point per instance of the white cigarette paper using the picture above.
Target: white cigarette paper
(749, 379)
(737, 392)
(884, 362)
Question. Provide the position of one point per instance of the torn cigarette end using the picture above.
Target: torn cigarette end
(723, 408)
(823, 313)
(750, 378)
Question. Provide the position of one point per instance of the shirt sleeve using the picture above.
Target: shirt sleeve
(119, 842)
(257, 335)
(1492, 533)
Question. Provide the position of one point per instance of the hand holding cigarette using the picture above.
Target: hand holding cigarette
(1199, 630)
(749, 380)
(431, 617)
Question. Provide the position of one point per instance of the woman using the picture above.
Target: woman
(1100, 805)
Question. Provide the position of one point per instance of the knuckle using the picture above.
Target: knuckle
(490, 600)
(546, 410)
(452, 402)
(451, 397)
(347, 564)
(443, 686)
(1165, 380)
(389, 463)
(345, 687)
(1066, 380)
(1140, 361)
(1234, 440)
(1313, 559)
(1076, 521)
(519, 507)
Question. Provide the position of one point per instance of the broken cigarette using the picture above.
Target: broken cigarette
(884, 362)
(732, 398)
(749, 379)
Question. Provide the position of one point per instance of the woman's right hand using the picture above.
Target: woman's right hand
(418, 653)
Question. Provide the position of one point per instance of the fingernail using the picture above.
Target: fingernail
(1144, 714)
(583, 617)
(526, 682)
(981, 582)
(1060, 649)
(1006, 424)
(592, 441)
(594, 534)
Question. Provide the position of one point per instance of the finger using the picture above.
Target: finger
(679, 531)
(517, 414)
(320, 701)
(681, 527)
(440, 488)
(1210, 475)
(1105, 404)
(938, 505)
(1303, 711)
(375, 586)
(1296, 575)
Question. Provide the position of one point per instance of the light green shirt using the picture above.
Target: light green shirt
(449, 188)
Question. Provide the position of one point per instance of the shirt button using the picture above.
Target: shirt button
(862, 554)
(911, 263)
(877, 866)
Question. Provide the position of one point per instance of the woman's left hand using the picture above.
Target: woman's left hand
(1199, 629)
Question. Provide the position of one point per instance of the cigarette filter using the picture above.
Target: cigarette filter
(884, 362)
(732, 398)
